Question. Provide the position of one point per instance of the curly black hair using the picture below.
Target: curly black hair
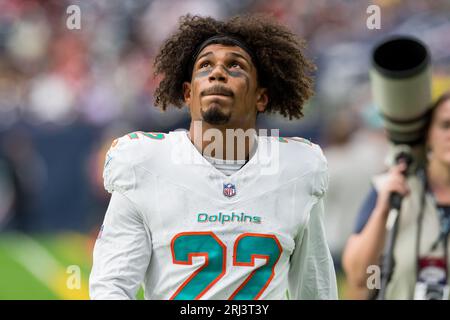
(282, 66)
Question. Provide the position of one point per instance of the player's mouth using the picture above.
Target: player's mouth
(217, 90)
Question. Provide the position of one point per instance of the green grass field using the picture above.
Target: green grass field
(44, 267)
(40, 267)
(37, 267)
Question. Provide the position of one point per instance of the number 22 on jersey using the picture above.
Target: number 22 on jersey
(247, 247)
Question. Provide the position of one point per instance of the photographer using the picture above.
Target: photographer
(421, 249)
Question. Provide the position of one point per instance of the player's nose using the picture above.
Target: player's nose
(218, 74)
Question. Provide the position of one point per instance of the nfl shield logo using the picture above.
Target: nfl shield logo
(229, 189)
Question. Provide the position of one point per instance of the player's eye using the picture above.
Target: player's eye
(235, 64)
(204, 64)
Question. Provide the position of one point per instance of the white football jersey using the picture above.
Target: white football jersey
(184, 230)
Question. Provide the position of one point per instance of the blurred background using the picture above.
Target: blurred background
(66, 94)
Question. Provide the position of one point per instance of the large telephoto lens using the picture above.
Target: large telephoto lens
(401, 87)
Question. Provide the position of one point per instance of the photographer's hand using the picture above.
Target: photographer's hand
(395, 183)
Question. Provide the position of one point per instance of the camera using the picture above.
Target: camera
(401, 86)
(431, 291)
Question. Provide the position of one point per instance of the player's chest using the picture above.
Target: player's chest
(223, 207)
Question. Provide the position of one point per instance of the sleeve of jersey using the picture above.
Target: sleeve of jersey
(311, 274)
(122, 252)
(118, 173)
(321, 175)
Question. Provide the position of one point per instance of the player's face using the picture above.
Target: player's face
(439, 134)
(224, 88)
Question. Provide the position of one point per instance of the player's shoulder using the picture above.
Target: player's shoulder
(305, 157)
(127, 151)
(303, 150)
(136, 146)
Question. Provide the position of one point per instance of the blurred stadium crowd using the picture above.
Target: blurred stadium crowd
(65, 94)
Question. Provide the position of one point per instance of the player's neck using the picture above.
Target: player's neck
(223, 142)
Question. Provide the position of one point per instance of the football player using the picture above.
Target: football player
(237, 221)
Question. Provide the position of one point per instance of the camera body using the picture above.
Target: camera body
(431, 291)
(432, 279)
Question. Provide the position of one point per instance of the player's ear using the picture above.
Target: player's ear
(187, 92)
(262, 99)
